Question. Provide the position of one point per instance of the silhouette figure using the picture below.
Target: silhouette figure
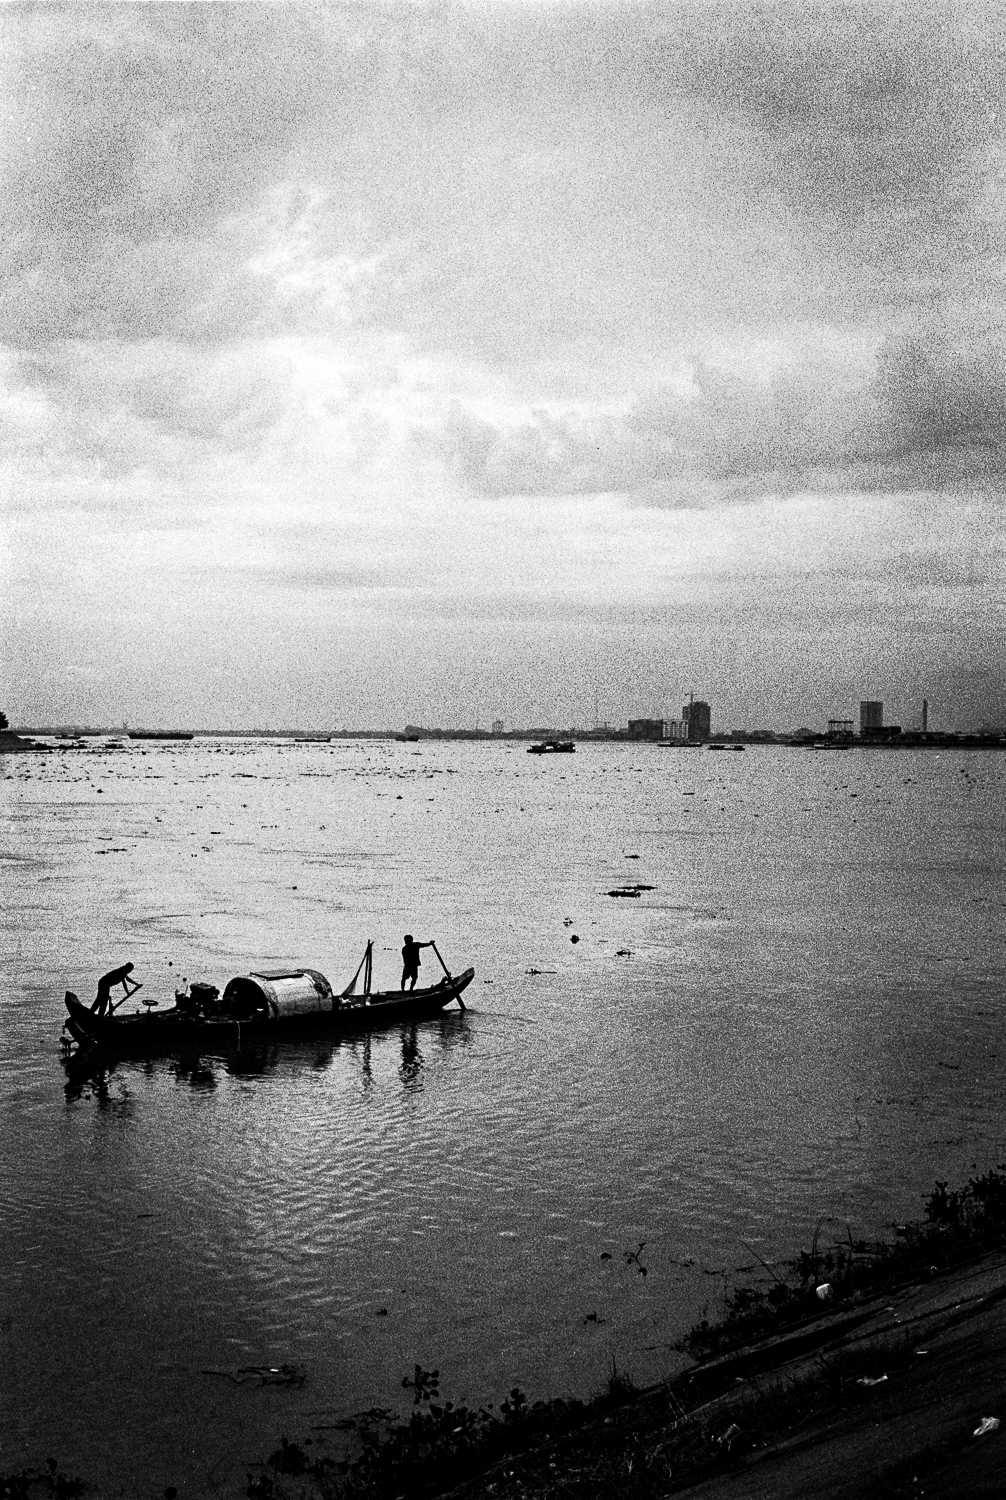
(410, 959)
(103, 1000)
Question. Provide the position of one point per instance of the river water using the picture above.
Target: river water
(800, 1021)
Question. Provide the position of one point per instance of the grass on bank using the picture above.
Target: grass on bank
(957, 1227)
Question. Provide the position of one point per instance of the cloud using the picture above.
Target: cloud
(927, 411)
(113, 408)
(501, 182)
(545, 455)
(138, 141)
(283, 288)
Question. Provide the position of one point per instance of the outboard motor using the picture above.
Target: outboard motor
(199, 1000)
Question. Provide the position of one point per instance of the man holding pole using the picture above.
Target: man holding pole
(410, 959)
(103, 1000)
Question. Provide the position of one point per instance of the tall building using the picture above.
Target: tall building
(646, 729)
(697, 717)
(871, 716)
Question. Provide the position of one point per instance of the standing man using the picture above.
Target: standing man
(103, 1000)
(410, 959)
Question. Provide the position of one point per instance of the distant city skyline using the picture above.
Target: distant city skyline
(872, 714)
(350, 374)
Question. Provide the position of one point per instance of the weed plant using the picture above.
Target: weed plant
(958, 1226)
(440, 1446)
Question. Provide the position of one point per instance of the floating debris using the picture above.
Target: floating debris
(632, 1257)
(260, 1374)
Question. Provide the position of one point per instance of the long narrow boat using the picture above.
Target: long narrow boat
(257, 1006)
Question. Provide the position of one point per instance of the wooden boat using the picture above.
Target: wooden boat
(258, 1006)
(552, 747)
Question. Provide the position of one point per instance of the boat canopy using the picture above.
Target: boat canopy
(277, 993)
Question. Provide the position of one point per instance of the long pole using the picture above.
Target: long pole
(449, 975)
(128, 992)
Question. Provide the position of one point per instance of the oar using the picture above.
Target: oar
(128, 994)
(450, 976)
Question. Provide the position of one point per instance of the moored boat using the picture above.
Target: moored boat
(160, 734)
(266, 1004)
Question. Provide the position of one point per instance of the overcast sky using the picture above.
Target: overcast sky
(440, 363)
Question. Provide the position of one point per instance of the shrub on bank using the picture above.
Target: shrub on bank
(957, 1226)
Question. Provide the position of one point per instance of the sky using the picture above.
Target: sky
(437, 363)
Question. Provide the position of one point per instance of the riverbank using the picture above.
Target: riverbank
(11, 743)
(884, 1402)
(885, 1379)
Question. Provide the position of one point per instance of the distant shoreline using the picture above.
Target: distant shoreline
(909, 741)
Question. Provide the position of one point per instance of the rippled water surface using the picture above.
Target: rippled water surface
(801, 1019)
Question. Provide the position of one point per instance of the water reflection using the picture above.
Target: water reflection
(89, 1077)
(412, 1059)
(89, 1074)
(197, 1072)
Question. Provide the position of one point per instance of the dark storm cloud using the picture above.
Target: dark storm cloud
(510, 182)
(931, 412)
(136, 132)
(531, 177)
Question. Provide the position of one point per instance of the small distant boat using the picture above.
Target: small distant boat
(160, 734)
(552, 747)
(264, 1004)
(407, 739)
(682, 744)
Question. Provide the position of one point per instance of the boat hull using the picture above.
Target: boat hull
(153, 1034)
